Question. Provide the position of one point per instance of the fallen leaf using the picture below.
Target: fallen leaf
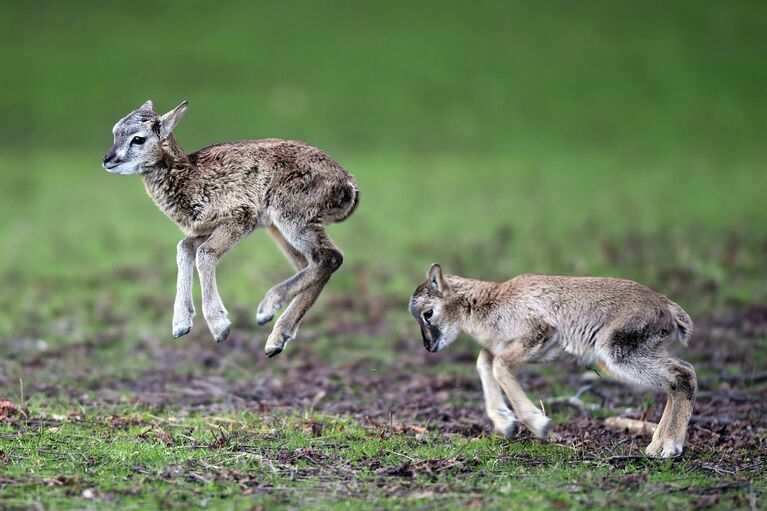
(10, 410)
(632, 426)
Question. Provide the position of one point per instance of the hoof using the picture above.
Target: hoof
(221, 337)
(268, 308)
(671, 452)
(219, 328)
(665, 450)
(278, 340)
(263, 319)
(181, 331)
(539, 426)
(544, 433)
(506, 431)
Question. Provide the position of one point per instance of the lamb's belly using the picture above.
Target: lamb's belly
(550, 350)
(582, 347)
(198, 229)
(577, 349)
(190, 232)
(194, 229)
(206, 226)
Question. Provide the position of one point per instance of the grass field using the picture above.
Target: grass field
(495, 138)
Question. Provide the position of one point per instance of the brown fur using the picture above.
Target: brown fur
(248, 181)
(616, 322)
(219, 194)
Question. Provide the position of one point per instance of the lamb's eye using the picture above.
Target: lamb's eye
(137, 140)
(428, 314)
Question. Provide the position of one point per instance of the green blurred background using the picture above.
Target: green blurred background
(617, 138)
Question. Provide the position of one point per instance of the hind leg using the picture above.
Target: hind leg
(656, 445)
(323, 258)
(286, 327)
(293, 255)
(288, 323)
(682, 386)
(677, 378)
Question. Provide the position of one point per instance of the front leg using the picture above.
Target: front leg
(504, 366)
(503, 418)
(222, 239)
(183, 308)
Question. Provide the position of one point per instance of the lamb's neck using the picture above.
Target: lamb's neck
(167, 181)
(474, 299)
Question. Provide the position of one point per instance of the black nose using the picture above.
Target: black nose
(109, 156)
(426, 342)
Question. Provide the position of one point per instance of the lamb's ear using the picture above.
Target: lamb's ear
(436, 278)
(148, 106)
(169, 121)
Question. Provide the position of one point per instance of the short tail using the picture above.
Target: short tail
(683, 323)
(350, 199)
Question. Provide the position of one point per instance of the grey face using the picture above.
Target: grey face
(423, 313)
(138, 139)
(438, 326)
(136, 142)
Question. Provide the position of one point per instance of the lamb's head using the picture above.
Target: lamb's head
(139, 139)
(432, 307)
